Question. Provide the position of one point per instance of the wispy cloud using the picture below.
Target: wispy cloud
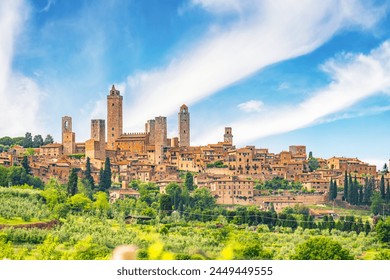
(266, 32)
(48, 5)
(355, 77)
(251, 106)
(20, 95)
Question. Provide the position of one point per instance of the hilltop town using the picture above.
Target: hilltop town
(231, 173)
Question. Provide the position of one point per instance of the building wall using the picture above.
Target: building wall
(114, 117)
(184, 126)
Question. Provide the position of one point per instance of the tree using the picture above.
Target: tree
(88, 173)
(388, 192)
(3, 176)
(72, 183)
(313, 164)
(333, 190)
(189, 182)
(382, 229)
(377, 203)
(321, 248)
(38, 141)
(101, 180)
(28, 141)
(107, 175)
(385, 169)
(382, 187)
(48, 140)
(346, 186)
(79, 202)
(368, 187)
(25, 164)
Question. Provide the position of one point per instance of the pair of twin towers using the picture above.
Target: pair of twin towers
(155, 132)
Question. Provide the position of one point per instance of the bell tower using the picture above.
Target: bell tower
(114, 117)
(184, 126)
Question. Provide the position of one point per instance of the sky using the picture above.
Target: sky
(279, 72)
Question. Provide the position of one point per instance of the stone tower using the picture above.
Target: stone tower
(114, 117)
(184, 126)
(228, 136)
(98, 133)
(68, 136)
(150, 128)
(160, 138)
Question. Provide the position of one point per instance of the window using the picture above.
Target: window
(113, 129)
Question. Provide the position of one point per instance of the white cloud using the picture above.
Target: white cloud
(268, 32)
(251, 106)
(20, 96)
(355, 77)
(48, 5)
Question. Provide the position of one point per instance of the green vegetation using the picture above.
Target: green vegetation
(182, 224)
(217, 164)
(278, 183)
(17, 175)
(77, 156)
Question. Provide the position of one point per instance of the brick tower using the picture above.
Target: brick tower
(68, 136)
(160, 138)
(184, 126)
(114, 117)
(150, 128)
(98, 133)
(228, 136)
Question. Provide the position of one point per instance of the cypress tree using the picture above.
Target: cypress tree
(72, 183)
(25, 164)
(355, 191)
(107, 175)
(334, 194)
(345, 186)
(382, 187)
(101, 180)
(87, 174)
(361, 196)
(367, 227)
(189, 182)
(331, 189)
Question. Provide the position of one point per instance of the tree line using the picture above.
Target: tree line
(28, 141)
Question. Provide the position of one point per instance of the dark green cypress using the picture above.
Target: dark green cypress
(88, 173)
(72, 183)
(345, 186)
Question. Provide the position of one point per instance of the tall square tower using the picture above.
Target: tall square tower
(184, 126)
(114, 117)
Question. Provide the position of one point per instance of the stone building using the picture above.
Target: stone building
(52, 150)
(184, 126)
(95, 148)
(68, 136)
(114, 117)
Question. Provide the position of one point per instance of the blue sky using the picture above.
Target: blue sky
(279, 72)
